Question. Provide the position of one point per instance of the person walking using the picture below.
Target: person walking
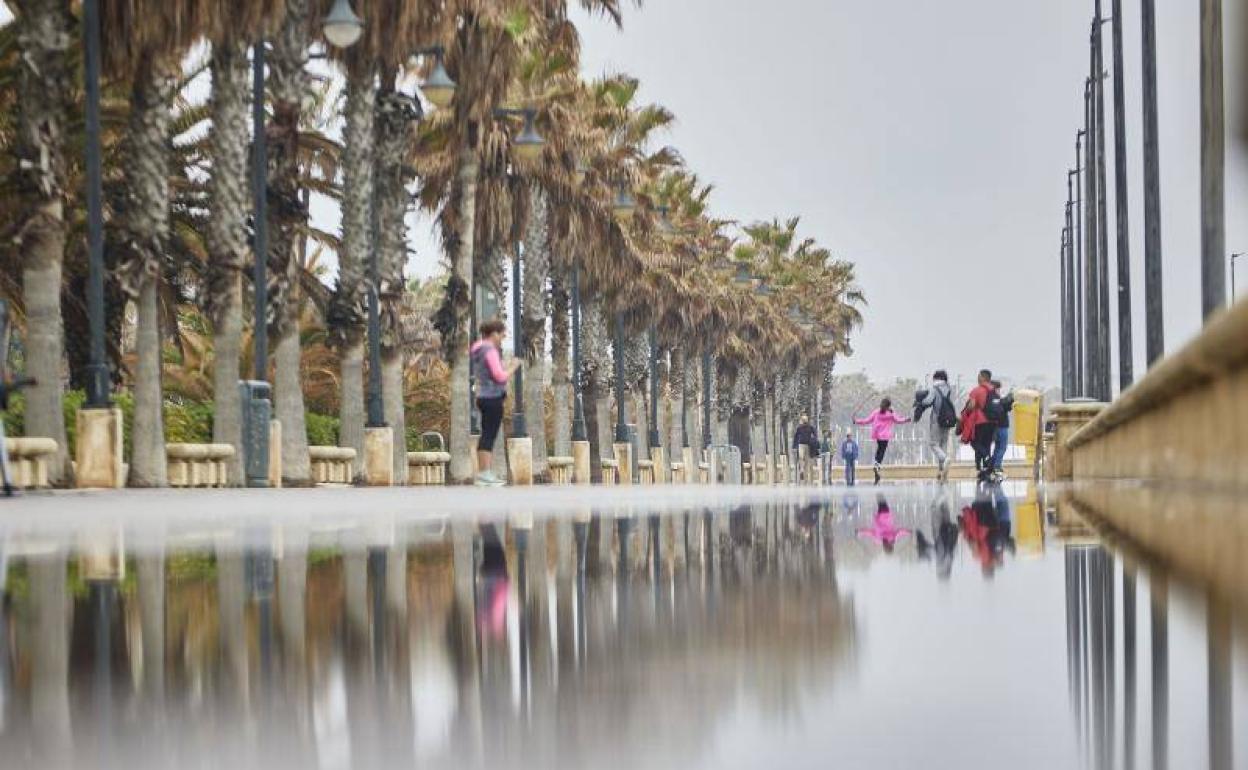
(976, 429)
(491, 377)
(998, 411)
(943, 418)
(849, 455)
(806, 435)
(882, 422)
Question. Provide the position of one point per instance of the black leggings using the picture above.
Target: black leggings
(880, 448)
(491, 419)
(982, 444)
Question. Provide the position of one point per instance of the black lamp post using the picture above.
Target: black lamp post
(621, 427)
(579, 433)
(97, 368)
(518, 427)
(653, 438)
(706, 399)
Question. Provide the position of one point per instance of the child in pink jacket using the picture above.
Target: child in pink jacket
(882, 422)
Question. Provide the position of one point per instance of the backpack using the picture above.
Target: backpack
(946, 415)
(994, 409)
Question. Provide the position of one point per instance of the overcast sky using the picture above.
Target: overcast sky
(928, 142)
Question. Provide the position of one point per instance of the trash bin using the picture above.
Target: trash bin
(256, 397)
(1026, 420)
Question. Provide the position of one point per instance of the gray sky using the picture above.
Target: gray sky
(928, 142)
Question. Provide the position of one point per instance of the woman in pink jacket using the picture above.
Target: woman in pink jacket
(882, 422)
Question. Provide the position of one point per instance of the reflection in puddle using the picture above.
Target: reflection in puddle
(796, 631)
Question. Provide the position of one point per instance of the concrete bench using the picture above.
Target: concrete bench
(678, 474)
(610, 473)
(198, 465)
(747, 473)
(645, 471)
(427, 469)
(332, 464)
(560, 470)
(28, 460)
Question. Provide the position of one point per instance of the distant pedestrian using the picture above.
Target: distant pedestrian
(806, 435)
(491, 377)
(998, 412)
(849, 455)
(943, 418)
(976, 429)
(882, 422)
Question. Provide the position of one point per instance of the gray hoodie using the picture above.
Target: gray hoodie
(933, 405)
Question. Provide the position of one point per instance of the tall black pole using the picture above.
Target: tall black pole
(706, 399)
(97, 367)
(518, 427)
(374, 404)
(1071, 297)
(579, 432)
(1212, 162)
(1154, 337)
(1091, 317)
(1064, 286)
(259, 181)
(1081, 387)
(653, 438)
(621, 427)
(1104, 353)
(1126, 354)
(684, 398)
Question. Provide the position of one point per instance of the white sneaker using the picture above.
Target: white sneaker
(488, 479)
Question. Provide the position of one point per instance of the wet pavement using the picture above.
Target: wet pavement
(893, 627)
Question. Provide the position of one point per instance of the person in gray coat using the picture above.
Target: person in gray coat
(939, 404)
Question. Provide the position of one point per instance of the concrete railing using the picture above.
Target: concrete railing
(28, 461)
(1185, 421)
(427, 469)
(199, 465)
(332, 464)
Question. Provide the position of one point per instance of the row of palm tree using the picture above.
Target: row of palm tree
(603, 205)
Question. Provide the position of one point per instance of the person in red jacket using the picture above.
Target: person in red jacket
(976, 428)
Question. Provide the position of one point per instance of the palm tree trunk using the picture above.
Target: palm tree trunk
(347, 309)
(351, 409)
(395, 116)
(147, 461)
(459, 294)
(392, 365)
(227, 242)
(536, 273)
(146, 226)
(43, 85)
(560, 378)
(597, 363)
(288, 85)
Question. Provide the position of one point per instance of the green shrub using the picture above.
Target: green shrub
(322, 429)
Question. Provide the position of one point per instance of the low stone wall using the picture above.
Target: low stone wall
(28, 461)
(199, 465)
(1185, 421)
(332, 464)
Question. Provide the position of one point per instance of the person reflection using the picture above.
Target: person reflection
(884, 529)
(986, 526)
(944, 538)
(492, 610)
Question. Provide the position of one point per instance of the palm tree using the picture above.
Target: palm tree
(44, 86)
(289, 86)
(226, 237)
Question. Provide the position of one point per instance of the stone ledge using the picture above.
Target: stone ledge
(1220, 349)
(28, 460)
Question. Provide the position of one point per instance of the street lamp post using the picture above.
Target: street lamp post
(1077, 276)
(621, 427)
(518, 427)
(1154, 326)
(97, 368)
(706, 399)
(579, 432)
(653, 438)
(1212, 161)
(1126, 355)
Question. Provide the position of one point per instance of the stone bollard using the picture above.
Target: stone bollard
(582, 467)
(646, 473)
(624, 462)
(275, 454)
(1070, 417)
(561, 469)
(662, 473)
(520, 461)
(379, 457)
(99, 451)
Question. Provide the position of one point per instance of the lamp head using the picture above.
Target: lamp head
(528, 145)
(438, 88)
(624, 206)
(342, 27)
